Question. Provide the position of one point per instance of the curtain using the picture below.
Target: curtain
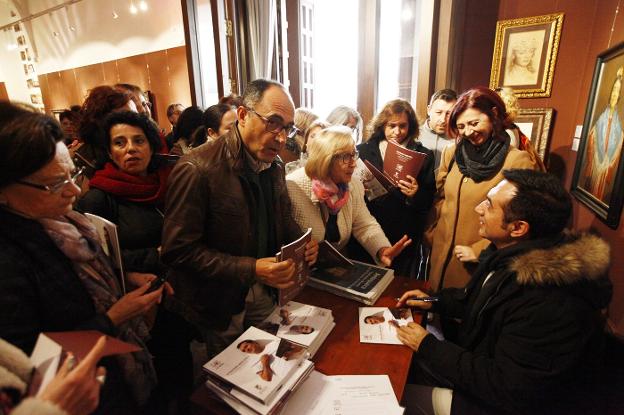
(261, 23)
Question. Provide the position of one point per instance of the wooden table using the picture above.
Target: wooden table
(342, 353)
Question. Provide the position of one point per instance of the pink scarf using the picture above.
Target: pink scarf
(332, 195)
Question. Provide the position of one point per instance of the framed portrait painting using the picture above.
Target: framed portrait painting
(598, 172)
(525, 52)
(536, 123)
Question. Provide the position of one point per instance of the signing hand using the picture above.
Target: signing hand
(408, 187)
(77, 391)
(412, 335)
(403, 301)
(133, 304)
(387, 254)
(311, 252)
(465, 253)
(275, 274)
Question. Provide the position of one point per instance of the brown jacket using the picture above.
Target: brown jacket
(208, 231)
(454, 220)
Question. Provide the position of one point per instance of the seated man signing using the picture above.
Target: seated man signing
(530, 336)
(227, 214)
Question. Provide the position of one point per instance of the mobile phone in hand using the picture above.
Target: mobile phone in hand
(155, 285)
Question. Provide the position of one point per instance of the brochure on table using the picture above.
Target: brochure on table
(379, 324)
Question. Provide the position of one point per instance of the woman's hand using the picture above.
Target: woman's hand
(134, 304)
(412, 335)
(408, 187)
(138, 279)
(387, 254)
(77, 391)
(465, 253)
(407, 299)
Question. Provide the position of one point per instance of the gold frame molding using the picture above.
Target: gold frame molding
(521, 28)
(541, 118)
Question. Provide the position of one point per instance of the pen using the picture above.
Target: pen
(425, 299)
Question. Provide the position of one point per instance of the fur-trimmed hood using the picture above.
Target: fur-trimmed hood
(579, 257)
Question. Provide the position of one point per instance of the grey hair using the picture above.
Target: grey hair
(340, 116)
(256, 89)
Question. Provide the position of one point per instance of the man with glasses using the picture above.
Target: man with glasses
(227, 215)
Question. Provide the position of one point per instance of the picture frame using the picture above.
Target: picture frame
(598, 180)
(536, 124)
(525, 53)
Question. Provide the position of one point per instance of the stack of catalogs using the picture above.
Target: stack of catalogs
(304, 324)
(346, 278)
(257, 373)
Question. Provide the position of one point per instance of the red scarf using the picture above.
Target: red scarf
(144, 189)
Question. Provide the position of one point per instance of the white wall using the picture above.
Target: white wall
(97, 36)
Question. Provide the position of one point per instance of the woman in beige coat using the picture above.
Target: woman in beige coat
(469, 169)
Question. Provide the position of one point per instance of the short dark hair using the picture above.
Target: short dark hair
(142, 121)
(256, 89)
(214, 114)
(446, 94)
(189, 121)
(540, 200)
(27, 141)
(375, 128)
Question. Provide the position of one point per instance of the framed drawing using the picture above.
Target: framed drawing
(599, 169)
(525, 51)
(535, 123)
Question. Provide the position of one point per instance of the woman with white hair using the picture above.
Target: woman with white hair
(343, 115)
(325, 198)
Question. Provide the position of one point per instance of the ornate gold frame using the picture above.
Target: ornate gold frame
(541, 118)
(552, 24)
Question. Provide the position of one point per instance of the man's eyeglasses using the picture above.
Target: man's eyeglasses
(55, 188)
(275, 126)
(347, 158)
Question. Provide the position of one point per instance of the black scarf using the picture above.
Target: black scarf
(482, 162)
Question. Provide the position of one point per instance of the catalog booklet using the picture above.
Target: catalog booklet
(379, 324)
(399, 162)
(372, 187)
(257, 363)
(295, 251)
(352, 279)
(109, 239)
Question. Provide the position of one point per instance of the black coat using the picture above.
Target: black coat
(139, 226)
(397, 214)
(530, 339)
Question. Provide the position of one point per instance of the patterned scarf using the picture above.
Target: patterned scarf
(332, 195)
(77, 238)
(494, 151)
(143, 189)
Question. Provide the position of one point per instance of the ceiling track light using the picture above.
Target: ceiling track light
(143, 5)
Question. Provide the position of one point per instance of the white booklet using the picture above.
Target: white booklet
(109, 240)
(379, 324)
(372, 187)
(257, 363)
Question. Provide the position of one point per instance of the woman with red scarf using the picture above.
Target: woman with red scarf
(325, 198)
(130, 192)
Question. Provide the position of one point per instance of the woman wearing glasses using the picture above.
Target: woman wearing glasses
(325, 198)
(404, 209)
(130, 192)
(55, 276)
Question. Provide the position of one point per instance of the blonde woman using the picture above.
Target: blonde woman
(325, 198)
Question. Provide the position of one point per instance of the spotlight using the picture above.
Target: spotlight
(115, 15)
(133, 9)
(143, 5)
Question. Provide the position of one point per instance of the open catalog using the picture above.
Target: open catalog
(257, 364)
(303, 324)
(380, 324)
(348, 278)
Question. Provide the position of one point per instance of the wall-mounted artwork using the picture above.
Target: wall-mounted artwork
(536, 124)
(525, 52)
(599, 170)
(21, 40)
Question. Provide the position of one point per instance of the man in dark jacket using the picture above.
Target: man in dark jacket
(530, 337)
(227, 214)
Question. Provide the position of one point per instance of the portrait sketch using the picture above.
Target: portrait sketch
(525, 52)
(598, 172)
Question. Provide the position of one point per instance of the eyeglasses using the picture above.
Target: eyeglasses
(55, 188)
(347, 158)
(275, 126)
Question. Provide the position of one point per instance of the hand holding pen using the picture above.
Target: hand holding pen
(416, 298)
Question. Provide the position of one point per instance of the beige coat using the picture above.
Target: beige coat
(354, 217)
(454, 220)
